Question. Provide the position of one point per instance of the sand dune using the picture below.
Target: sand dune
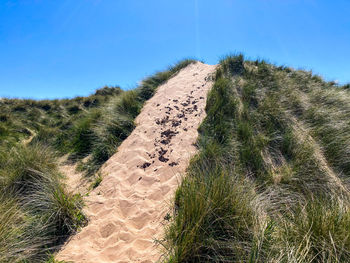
(126, 212)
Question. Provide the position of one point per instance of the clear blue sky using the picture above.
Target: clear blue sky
(63, 48)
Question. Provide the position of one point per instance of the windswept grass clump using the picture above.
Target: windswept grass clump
(214, 219)
(15, 242)
(315, 232)
(37, 213)
(270, 181)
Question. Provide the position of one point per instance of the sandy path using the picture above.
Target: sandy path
(127, 210)
(75, 181)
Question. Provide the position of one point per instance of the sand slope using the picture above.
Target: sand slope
(127, 210)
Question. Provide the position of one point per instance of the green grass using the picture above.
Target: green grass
(23, 117)
(270, 181)
(15, 240)
(96, 182)
(37, 213)
(211, 203)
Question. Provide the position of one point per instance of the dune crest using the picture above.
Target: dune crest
(126, 212)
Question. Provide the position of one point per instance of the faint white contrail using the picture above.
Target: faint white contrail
(196, 17)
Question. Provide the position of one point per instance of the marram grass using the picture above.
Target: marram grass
(271, 181)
